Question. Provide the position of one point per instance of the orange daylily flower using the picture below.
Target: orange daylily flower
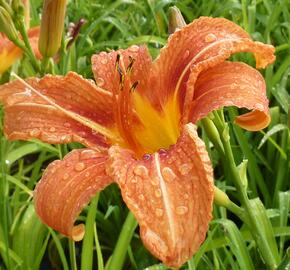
(137, 122)
(9, 52)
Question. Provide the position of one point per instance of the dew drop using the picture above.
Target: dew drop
(52, 129)
(159, 212)
(82, 134)
(185, 168)
(158, 193)
(154, 181)
(100, 81)
(65, 138)
(210, 38)
(186, 54)
(88, 154)
(168, 174)
(34, 132)
(134, 48)
(181, 210)
(87, 174)
(134, 180)
(141, 197)
(65, 176)
(141, 170)
(104, 61)
(67, 124)
(80, 166)
(259, 107)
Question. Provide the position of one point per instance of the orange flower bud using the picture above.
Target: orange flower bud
(52, 24)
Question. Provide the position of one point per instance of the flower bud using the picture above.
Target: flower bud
(52, 24)
(176, 20)
(220, 197)
(7, 26)
(243, 173)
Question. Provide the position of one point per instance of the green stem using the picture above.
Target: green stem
(235, 176)
(27, 48)
(44, 64)
(120, 251)
(88, 242)
(72, 254)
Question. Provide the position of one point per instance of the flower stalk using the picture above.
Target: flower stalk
(119, 255)
(240, 184)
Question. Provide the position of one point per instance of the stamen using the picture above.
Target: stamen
(134, 86)
(79, 118)
(120, 72)
(130, 66)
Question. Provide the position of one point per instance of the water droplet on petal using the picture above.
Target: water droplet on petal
(259, 107)
(134, 179)
(88, 154)
(141, 197)
(65, 138)
(34, 132)
(210, 38)
(159, 212)
(100, 81)
(141, 170)
(80, 166)
(65, 176)
(168, 174)
(134, 48)
(185, 168)
(104, 61)
(52, 129)
(181, 210)
(158, 193)
(154, 181)
(186, 54)
(87, 174)
(67, 124)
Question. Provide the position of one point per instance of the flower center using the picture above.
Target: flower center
(158, 129)
(144, 128)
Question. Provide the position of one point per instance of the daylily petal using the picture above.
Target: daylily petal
(202, 44)
(106, 74)
(9, 52)
(170, 193)
(67, 186)
(30, 116)
(232, 84)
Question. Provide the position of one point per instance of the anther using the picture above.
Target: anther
(130, 66)
(134, 86)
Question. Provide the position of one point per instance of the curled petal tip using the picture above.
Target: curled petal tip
(253, 121)
(78, 232)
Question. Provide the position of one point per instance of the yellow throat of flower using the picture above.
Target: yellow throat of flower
(158, 129)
